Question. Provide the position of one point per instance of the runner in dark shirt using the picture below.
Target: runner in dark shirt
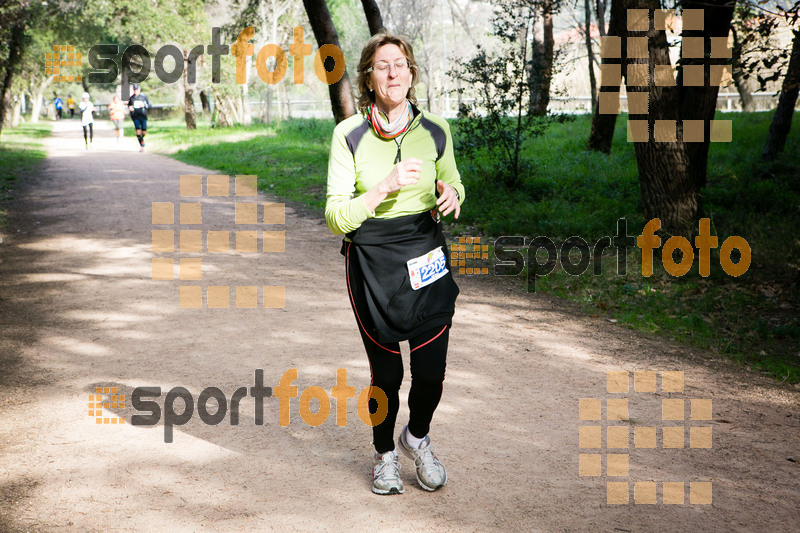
(59, 105)
(138, 104)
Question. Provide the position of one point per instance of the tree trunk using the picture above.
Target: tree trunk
(373, 14)
(342, 102)
(603, 125)
(204, 101)
(266, 109)
(600, 11)
(740, 78)
(233, 109)
(125, 91)
(246, 97)
(700, 103)
(36, 107)
(744, 88)
(188, 100)
(16, 114)
(782, 120)
(671, 173)
(540, 96)
(14, 57)
(280, 110)
(223, 115)
(587, 6)
(286, 102)
(36, 99)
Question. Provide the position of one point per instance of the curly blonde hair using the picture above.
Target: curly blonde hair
(365, 96)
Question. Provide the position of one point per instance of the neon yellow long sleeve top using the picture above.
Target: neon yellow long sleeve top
(360, 158)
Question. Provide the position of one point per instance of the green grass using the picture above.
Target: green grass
(573, 192)
(289, 158)
(20, 152)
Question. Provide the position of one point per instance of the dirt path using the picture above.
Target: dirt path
(79, 310)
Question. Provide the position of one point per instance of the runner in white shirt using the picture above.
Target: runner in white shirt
(87, 118)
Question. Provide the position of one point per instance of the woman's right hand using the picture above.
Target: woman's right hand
(406, 172)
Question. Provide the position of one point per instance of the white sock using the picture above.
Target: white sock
(413, 441)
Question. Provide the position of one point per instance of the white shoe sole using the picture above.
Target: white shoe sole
(408, 453)
(392, 491)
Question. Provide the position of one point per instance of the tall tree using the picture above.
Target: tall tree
(600, 12)
(373, 14)
(342, 102)
(587, 34)
(152, 24)
(604, 123)
(740, 75)
(672, 170)
(498, 123)
(543, 58)
(274, 22)
(16, 17)
(782, 120)
(403, 17)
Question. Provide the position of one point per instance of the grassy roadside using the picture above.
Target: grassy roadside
(289, 158)
(20, 152)
(753, 319)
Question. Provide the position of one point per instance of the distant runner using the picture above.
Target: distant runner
(138, 105)
(71, 105)
(87, 119)
(116, 110)
(59, 104)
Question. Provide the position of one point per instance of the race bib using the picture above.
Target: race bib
(426, 269)
(138, 104)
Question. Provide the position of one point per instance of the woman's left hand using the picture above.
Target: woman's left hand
(448, 199)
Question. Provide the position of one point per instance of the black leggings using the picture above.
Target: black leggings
(90, 134)
(428, 362)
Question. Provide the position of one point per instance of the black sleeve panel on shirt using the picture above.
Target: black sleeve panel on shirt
(438, 135)
(354, 137)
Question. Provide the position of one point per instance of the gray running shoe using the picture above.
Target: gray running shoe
(386, 475)
(430, 471)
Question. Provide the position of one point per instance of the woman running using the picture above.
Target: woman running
(116, 110)
(87, 119)
(388, 165)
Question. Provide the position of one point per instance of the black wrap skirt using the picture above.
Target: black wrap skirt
(378, 280)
